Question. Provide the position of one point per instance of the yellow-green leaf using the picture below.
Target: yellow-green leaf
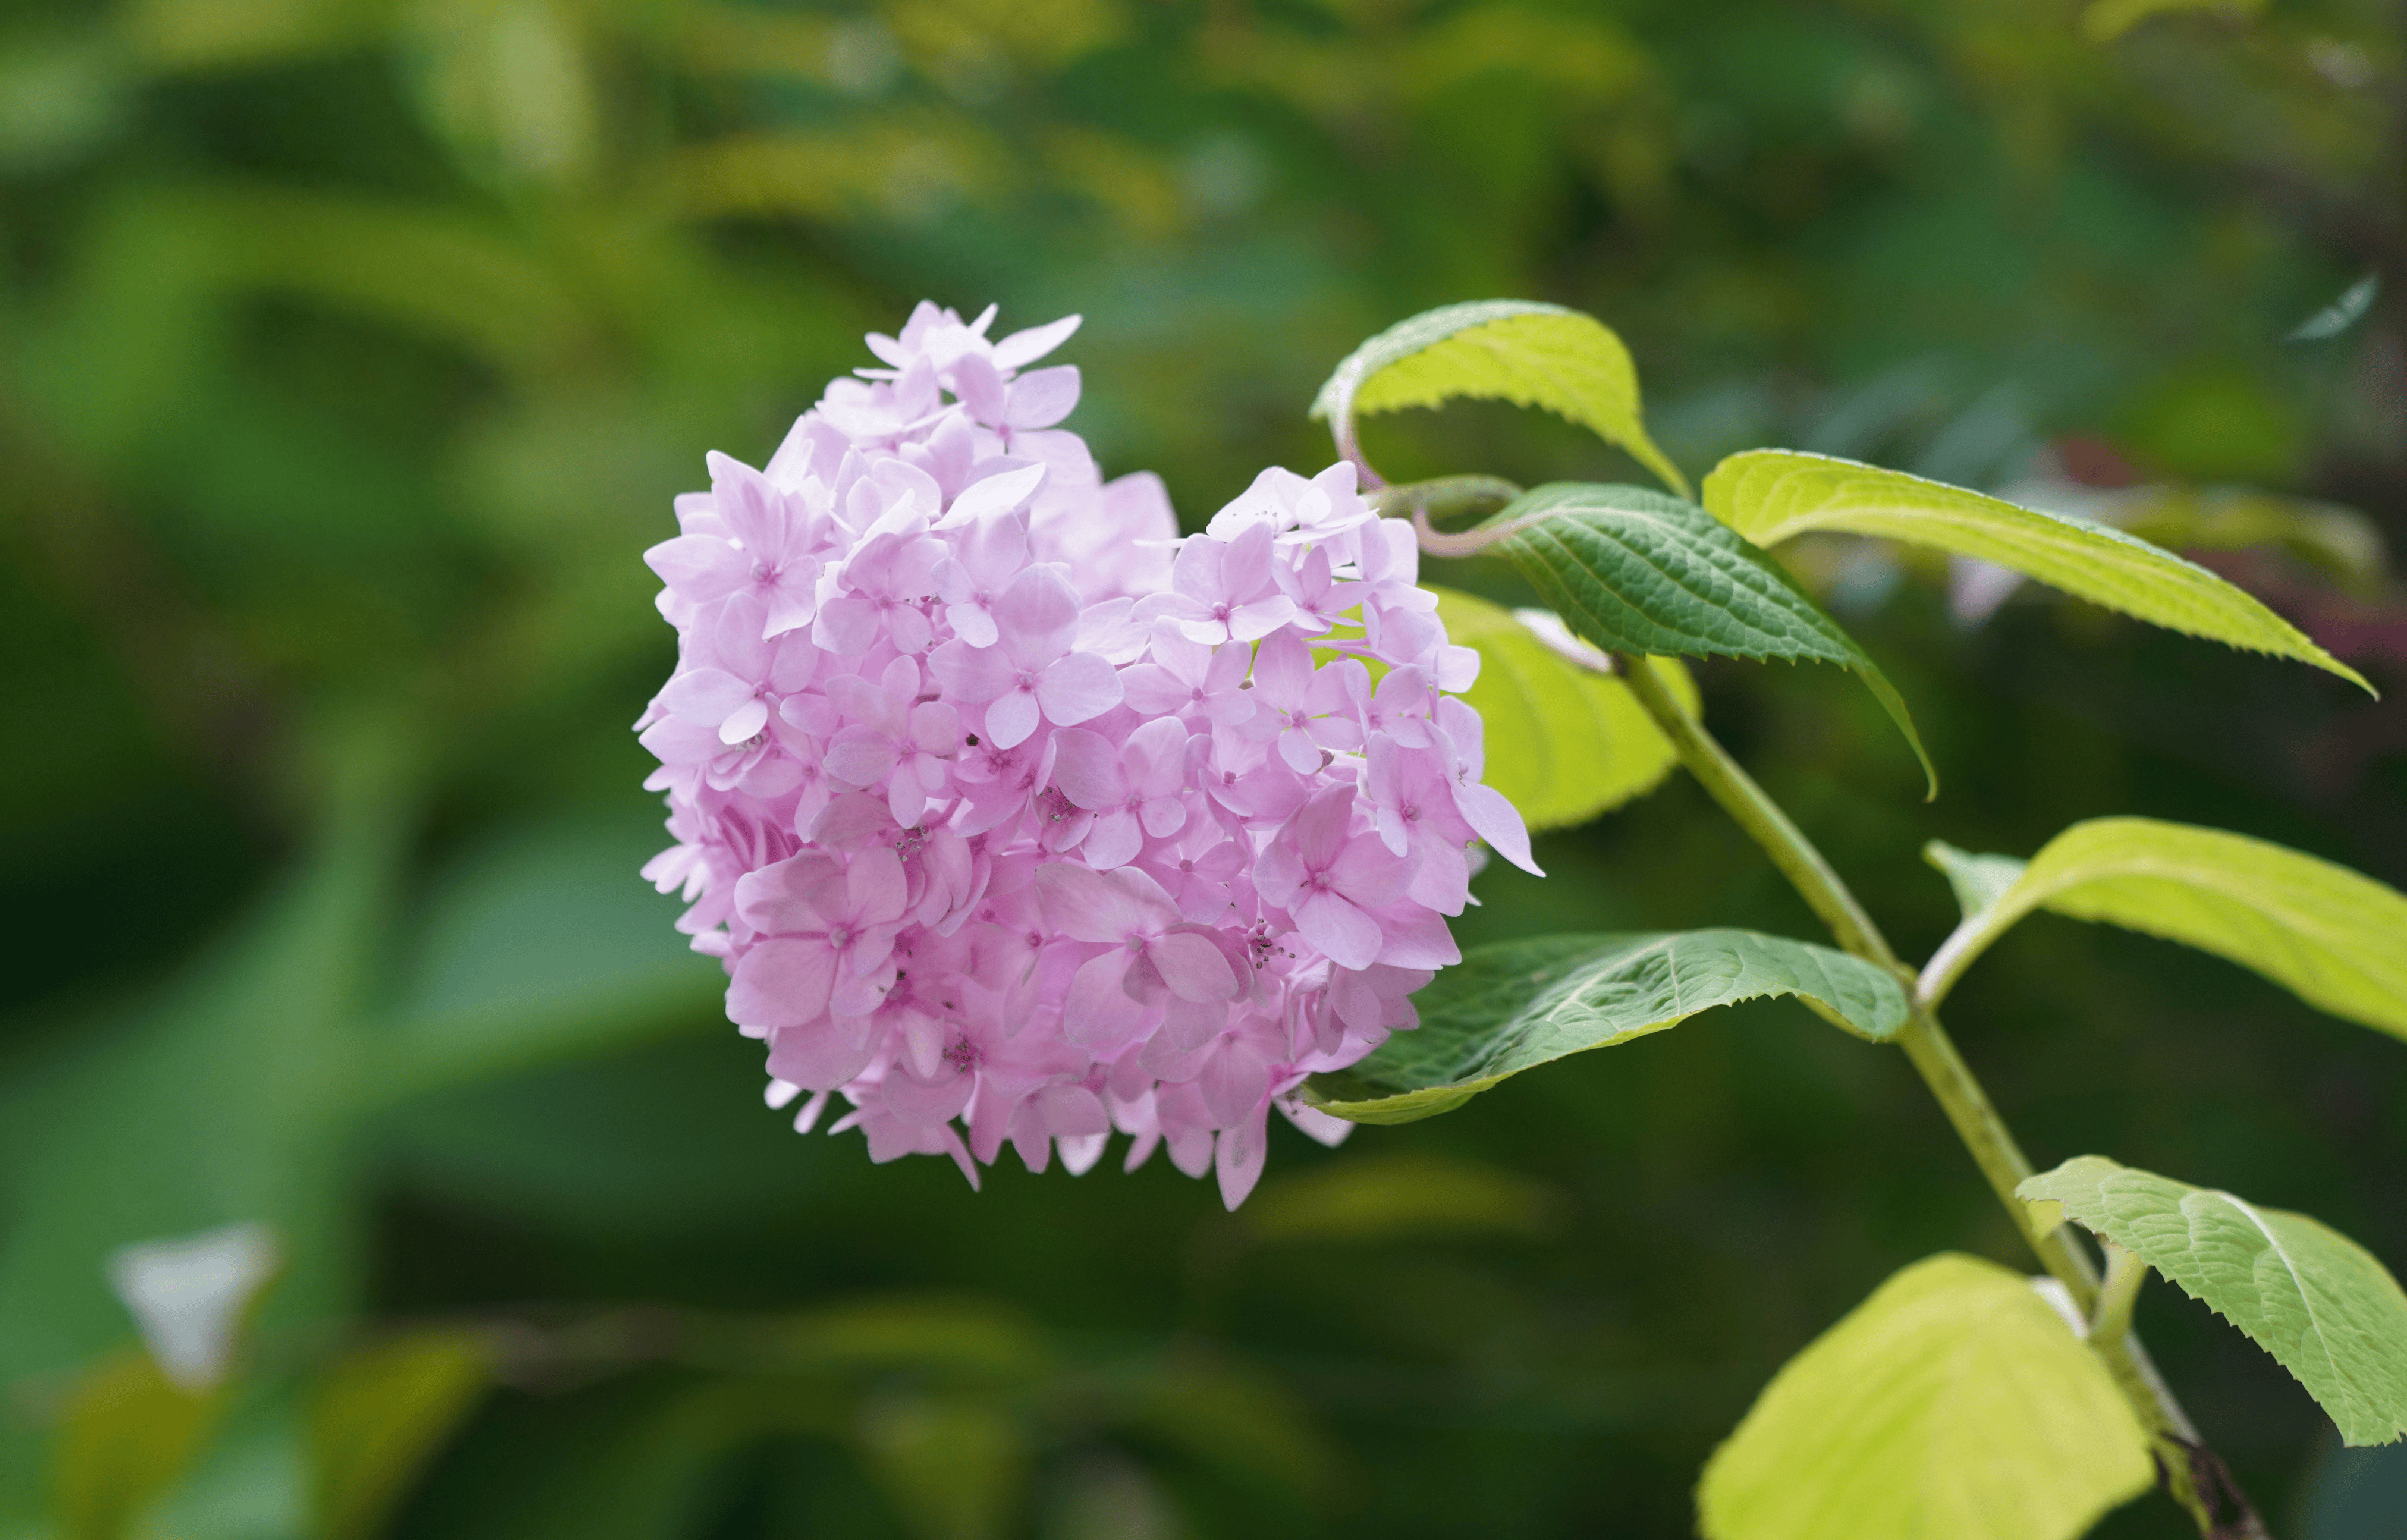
(2336, 938)
(1565, 741)
(1769, 495)
(1519, 350)
(381, 1416)
(128, 1434)
(1953, 1402)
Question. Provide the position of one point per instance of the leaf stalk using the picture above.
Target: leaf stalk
(2188, 1471)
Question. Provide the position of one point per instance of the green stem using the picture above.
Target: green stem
(1445, 497)
(2185, 1465)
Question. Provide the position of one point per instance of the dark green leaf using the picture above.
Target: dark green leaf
(1516, 1005)
(1636, 571)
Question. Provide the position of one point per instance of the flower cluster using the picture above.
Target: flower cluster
(1016, 818)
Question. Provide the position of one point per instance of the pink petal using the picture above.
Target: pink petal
(846, 625)
(981, 388)
(919, 1102)
(1250, 623)
(973, 673)
(1495, 820)
(935, 727)
(1320, 828)
(1235, 1083)
(701, 567)
(907, 625)
(707, 696)
(1021, 348)
(753, 508)
(1344, 934)
(971, 624)
(1088, 768)
(821, 1055)
(745, 722)
(1191, 965)
(1076, 688)
(1283, 669)
(1090, 905)
(791, 895)
(1154, 690)
(1417, 938)
(1114, 841)
(1098, 1009)
(860, 756)
(1043, 397)
(995, 495)
(1300, 750)
(874, 887)
(1164, 816)
(1071, 1112)
(1039, 614)
(780, 984)
(1011, 718)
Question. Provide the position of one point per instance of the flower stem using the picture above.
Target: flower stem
(1447, 497)
(2188, 1471)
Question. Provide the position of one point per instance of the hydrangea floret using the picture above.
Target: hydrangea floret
(1013, 815)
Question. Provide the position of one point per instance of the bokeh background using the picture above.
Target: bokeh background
(351, 352)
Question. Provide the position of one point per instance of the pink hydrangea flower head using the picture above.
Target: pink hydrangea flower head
(1016, 819)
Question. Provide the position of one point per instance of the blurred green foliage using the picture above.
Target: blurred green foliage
(351, 352)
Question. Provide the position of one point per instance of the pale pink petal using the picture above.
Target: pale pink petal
(1098, 1009)
(1112, 841)
(821, 1055)
(918, 1101)
(1191, 965)
(995, 495)
(1043, 397)
(1235, 1083)
(1496, 820)
(973, 675)
(1021, 348)
(1344, 934)
(1038, 614)
(1011, 718)
(874, 886)
(1078, 687)
(781, 983)
(701, 567)
(1087, 768)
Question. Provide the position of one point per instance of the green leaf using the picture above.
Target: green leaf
(2103, 21)
(1395, 1197)
(2334, 937)
(1519, 350)
(2316, 1300)
(1636, 572)
(1516, 1005)
(953, 1464)
(1979, 881)
(2341, 541)
(542, 948)
(225, 1101)
(128, 1434)
(1565, 741)
(382, 1414)
(1954, 1402)
(1769, 495)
